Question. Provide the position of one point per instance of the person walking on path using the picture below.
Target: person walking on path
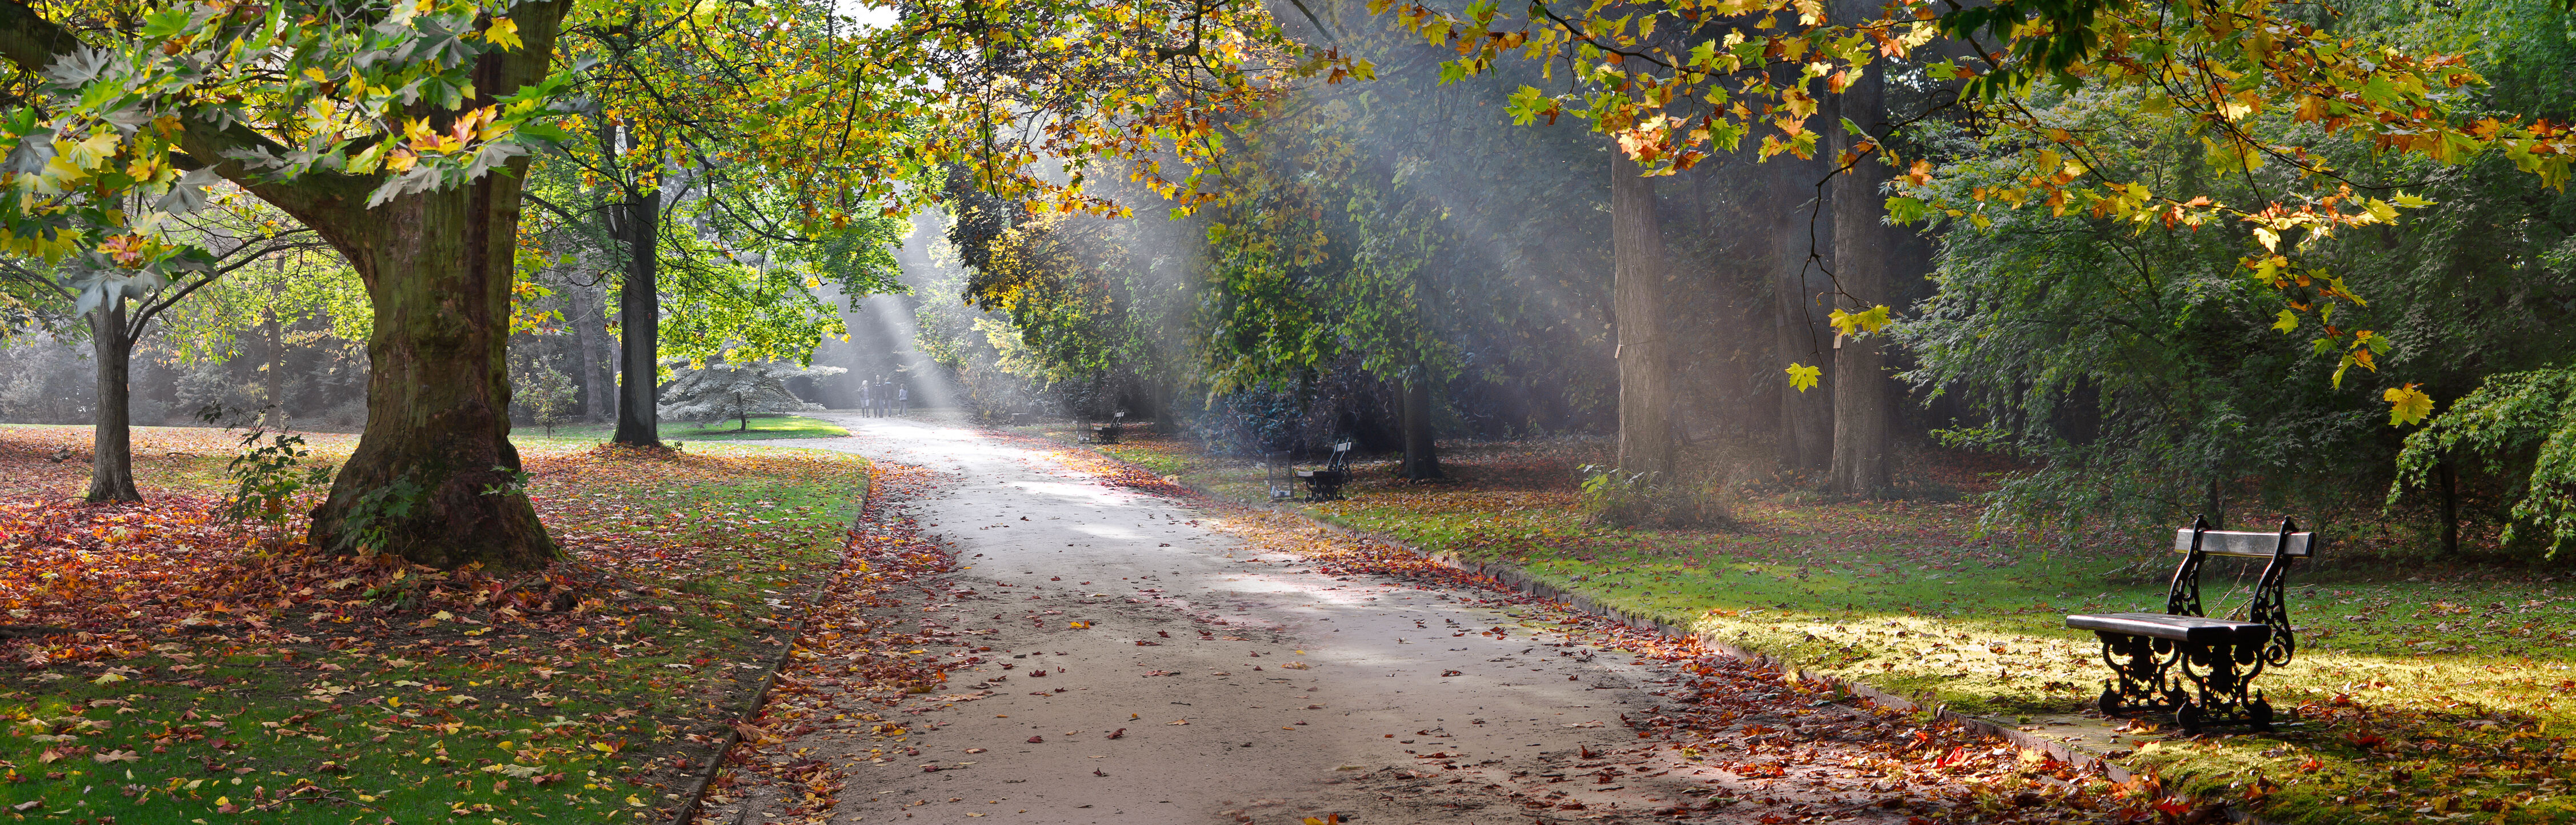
(903, 398)
(867, 397)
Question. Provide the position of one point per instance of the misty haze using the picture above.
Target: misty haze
(1116, 411)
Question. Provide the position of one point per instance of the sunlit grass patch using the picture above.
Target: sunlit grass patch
(2418, 693)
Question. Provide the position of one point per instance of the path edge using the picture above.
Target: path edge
(1520, 580)
(697, 794)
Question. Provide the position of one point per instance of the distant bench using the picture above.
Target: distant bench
(1105, 433)
(2155, 655)
(1326, 484)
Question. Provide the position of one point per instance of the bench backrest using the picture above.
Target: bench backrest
(1341, 459)
(2245, 543)
(2269, 603)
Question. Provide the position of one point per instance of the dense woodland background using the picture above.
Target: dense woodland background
(1401, 264)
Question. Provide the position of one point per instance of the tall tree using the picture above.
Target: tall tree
(1642, 70)
(1637, 294)
(1421, 448)
(635, 220)
(685, 147)
(398, 132)
(1801, 233)
(114, 311)
(1864, 394)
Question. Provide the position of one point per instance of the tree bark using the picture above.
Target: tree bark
(577, 315)
(1421, 454)
(639, 314)
(1637, 299)
(1861, 240)
(438, 270)
(111, 450)
(433, 477)
(597, 357)
(1800, 225)
(2450, 506)
(275, 385)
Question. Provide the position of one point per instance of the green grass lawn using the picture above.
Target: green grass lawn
(762, 427)
(410, 695)
(2420, 691)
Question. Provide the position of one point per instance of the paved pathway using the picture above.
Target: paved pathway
(1292, 684)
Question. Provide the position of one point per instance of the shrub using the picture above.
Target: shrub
(1615, 497)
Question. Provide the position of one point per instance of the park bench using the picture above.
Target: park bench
(1108, 433)
(1326, 484)
(2155, 656)
(1280, 488)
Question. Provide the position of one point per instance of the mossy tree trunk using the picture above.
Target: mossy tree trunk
(433, 476)
(433, 479)
(438, 271)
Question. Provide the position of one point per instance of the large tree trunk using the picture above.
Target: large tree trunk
(1637, 300)
(1421, 455)
(1862, 391)
(639, 317)
(434, 477)
(111, 453)
(438, 270)
(1800, 225)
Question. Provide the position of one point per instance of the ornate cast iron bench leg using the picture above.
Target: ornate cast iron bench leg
(2221, 674)
(2139, 665)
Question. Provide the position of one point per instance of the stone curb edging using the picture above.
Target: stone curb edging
(1522, 581)
(697, 794)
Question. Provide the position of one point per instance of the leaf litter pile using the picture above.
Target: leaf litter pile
(1757, 744)
(862, 664)
(166, 664)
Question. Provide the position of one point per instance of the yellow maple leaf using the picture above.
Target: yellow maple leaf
(1802, 377)
(1865, 321)
(2407, 405)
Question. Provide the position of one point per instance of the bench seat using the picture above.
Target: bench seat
(2189, 629)
(1325, 484)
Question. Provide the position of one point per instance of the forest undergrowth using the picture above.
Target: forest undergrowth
(2421, 692)
(165, 664)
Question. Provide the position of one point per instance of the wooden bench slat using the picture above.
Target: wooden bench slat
(2245, 543)
(2192, 629)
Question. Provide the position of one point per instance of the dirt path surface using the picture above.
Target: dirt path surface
(1126, 657)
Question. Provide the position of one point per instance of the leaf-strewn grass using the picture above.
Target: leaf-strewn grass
(221, 672)
(762, 427)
